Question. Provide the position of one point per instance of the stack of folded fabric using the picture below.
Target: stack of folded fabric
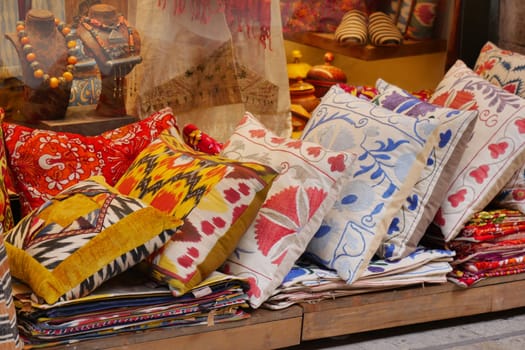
(128, 303)
(307, 282)
(491, 244)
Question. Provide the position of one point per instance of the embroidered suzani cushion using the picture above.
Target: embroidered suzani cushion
(391, 153)
(414, 18)
(217, 197)
(310, 178)
(512, 196)
(506, 69)
(421, 205)
(494, 153)
(84, 236)
(503, 68)
(44, 163)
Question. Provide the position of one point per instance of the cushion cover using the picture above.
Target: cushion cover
(82, 237)
(392, 151)
(310, 178)
(44, 163)
(494, 153)
(512, 195)
(9, 338)
(503, 68)
(421, 205)
(506, 69)
(217, 197)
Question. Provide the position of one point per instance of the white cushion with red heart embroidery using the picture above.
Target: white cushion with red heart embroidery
(309, 181)
(512, 195)
(494, 153)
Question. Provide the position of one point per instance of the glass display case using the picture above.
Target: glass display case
(117, 59)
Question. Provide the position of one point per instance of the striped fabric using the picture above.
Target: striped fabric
(9, 338)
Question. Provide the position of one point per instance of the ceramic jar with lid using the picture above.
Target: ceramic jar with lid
(301, 92)
(323, 76)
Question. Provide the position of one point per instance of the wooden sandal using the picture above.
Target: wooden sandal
(382, 31)
(353, 29)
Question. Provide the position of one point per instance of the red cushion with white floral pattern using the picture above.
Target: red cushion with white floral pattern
(44, 162)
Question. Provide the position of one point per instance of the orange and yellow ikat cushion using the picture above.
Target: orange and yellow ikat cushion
(218, 199)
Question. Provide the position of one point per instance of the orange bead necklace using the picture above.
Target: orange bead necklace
(31, 57)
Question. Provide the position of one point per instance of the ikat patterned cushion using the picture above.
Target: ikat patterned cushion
(392, 150)
(310, 178)
(9, 338)
(84, 236)
(218, 199)
(422, 204)
(495, 152)
(503, 68)
(44, 163)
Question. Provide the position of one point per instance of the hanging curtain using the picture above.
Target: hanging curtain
(210, 61)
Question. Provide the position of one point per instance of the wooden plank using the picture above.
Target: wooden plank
(265, 329)
(368, 52)
(395, 308)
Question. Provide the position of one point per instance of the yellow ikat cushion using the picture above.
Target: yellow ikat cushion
(217, 197)
(84, 236)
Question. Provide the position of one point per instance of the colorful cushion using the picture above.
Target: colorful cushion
(506, 69)
(414, 18)
(45, 162)
(392, 151)
(6, 215)
(494, 153)
(9, 338)
(217, 197)
(310, 178)
(421, 205)
(512, 196)
(82, 237)
(502, 68)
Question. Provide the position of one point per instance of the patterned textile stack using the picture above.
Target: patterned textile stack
(127, 304)
(308, 282)
(491, 244)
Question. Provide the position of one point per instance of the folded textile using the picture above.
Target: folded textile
(307, 282)
(491, 244)
(127, 304)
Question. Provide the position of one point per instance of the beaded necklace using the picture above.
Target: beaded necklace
(31, 57)
(119, 52)
(117, 46)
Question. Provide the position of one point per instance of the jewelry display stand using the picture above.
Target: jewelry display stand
(46, 52)
(115, 46)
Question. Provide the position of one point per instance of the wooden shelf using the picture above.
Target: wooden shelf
(368, 52)
(401, 307)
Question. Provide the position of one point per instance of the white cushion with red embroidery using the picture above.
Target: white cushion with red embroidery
(310, 178)
(494, 153)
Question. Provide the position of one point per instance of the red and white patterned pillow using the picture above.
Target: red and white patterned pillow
(494, 153)
(43, 162)
(310, 178)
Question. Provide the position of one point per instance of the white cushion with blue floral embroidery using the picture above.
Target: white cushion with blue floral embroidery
(392, 151)
(410, 223)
